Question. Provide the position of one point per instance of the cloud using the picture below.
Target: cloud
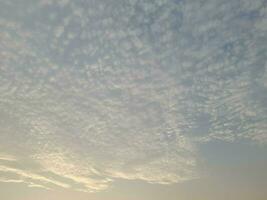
(29, 177)
(7, 157)
(91, 93)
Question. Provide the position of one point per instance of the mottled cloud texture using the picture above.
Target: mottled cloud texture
(98, 90)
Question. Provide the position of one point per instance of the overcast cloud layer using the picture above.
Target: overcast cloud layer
(92, 91)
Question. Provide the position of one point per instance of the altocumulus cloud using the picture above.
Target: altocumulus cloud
(99, 90)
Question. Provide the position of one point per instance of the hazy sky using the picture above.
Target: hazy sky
(133, 99)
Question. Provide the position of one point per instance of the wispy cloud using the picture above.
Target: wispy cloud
(30, 177)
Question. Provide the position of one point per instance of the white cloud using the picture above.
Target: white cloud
(127, 90)
(29, 177)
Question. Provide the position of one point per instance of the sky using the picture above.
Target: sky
(133, 99)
